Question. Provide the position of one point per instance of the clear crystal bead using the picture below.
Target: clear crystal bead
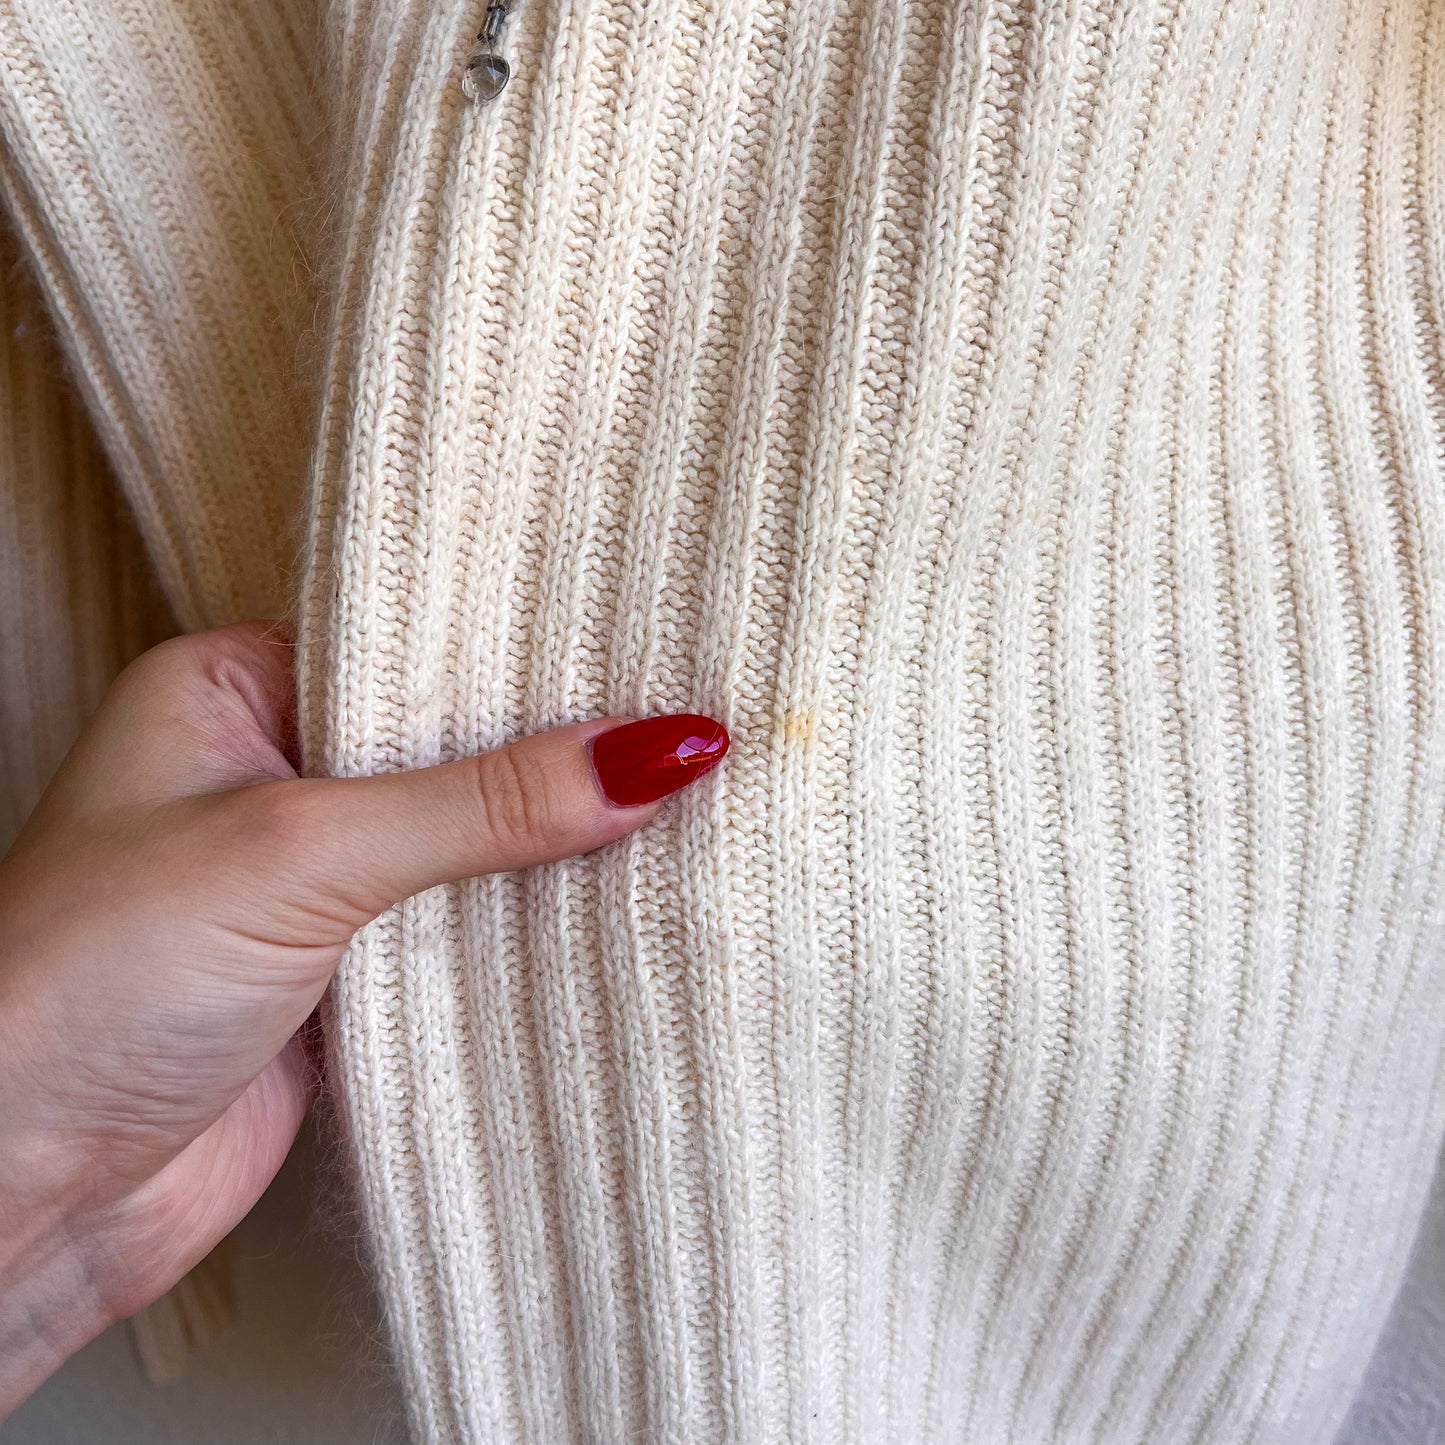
(485, 78)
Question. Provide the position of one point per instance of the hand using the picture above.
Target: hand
(170, 917)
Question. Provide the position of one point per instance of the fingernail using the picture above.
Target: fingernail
(641, 762)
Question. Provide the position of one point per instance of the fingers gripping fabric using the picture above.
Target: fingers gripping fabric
(1022, 425)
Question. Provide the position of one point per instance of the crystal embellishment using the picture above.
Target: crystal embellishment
(487, 74)
(485, 78)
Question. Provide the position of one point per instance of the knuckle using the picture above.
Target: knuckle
(211, 656)
(175, 657)
(515, 807)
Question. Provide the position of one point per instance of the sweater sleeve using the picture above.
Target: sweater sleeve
(77, 597)
(155, 159)
(1022, 425)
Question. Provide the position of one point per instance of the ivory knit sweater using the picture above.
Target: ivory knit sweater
(1024, 424)
(77, 600)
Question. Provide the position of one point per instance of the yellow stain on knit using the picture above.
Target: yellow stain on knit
(799, 727)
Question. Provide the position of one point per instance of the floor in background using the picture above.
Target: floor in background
(288, 1372)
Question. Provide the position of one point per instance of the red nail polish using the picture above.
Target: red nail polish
(640, 762)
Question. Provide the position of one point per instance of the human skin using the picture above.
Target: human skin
(169, 919)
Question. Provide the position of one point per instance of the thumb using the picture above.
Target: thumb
(351, 847)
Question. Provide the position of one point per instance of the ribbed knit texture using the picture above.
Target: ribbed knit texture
(1023, 424)
(77, 600)
(156, 158)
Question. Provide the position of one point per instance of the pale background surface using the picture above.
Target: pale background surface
(292, 1370)
(1403, 1402)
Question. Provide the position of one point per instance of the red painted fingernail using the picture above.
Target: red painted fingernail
(640, 762)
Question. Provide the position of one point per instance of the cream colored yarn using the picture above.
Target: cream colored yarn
(77, 600)
(1024, 424)
(155, 159)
